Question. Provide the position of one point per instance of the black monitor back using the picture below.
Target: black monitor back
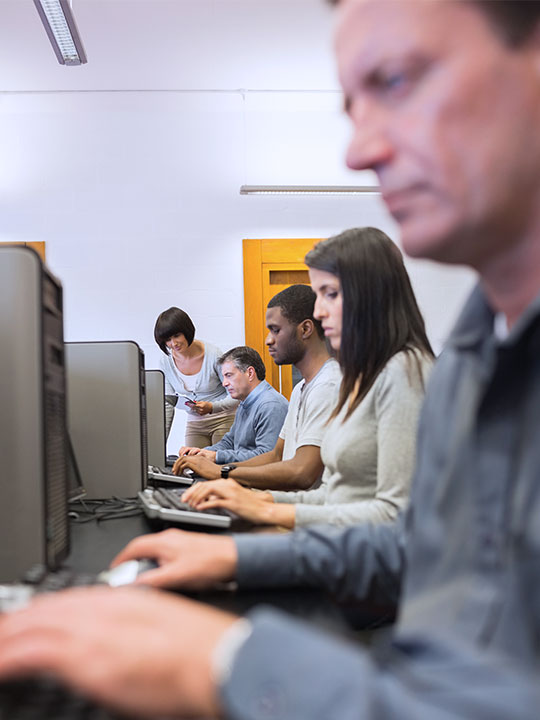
(155, 417)
(33, 483)
(107, 416)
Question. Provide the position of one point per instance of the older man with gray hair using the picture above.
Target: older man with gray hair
(259, 416)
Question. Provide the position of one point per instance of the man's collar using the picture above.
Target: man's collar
(325, 363)
(257, 390)
(476, 321)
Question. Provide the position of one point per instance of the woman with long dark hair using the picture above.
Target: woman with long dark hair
(370, 316)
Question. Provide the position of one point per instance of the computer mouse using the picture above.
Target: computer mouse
(126, 572)
(14, 597)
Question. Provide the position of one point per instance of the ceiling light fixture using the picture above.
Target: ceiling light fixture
(307, 189)
(58, 20)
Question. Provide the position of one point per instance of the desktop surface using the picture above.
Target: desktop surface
(94, 544)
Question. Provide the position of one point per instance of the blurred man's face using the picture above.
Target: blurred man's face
(448, 116)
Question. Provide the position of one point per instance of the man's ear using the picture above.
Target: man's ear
(306, 329)
(251, 373)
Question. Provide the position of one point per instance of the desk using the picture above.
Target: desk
(94, 544)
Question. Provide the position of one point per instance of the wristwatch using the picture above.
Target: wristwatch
(226, 469)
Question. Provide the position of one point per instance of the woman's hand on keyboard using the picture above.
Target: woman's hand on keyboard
(252, 505)
(141, 653)
(186, 559)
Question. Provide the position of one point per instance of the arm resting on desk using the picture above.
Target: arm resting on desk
(352, 563)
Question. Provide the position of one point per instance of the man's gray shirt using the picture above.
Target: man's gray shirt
(465, 561)
(256, 426)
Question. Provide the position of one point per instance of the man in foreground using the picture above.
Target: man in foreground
(294, 463)
(259, 415)
(445, 101)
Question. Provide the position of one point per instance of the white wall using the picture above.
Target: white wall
(130, 167)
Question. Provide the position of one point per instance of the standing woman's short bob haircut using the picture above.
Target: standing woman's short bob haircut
(380, 313)
(173, 322)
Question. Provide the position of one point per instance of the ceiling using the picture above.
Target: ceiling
(173, 44)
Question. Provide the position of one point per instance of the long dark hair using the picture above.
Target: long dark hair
(380, 313)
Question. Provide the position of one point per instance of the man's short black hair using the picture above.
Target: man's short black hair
(173, 322)
(296, 304)
(514, 20)
(244, 357)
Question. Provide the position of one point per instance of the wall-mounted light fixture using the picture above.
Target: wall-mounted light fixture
(58, 20)
(307, 189)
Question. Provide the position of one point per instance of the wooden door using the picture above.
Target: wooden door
(39, 247)
(269, 267)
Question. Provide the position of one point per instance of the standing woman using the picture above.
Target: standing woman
(193, 379)
(369, 314)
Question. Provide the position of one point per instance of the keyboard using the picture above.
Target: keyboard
(41, 580)
(164, 474)
(38, 579)
(167, 504)
(42, 698)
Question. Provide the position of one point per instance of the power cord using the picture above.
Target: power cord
(83, 511)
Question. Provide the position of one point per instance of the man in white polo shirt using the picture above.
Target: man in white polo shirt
(294, 337)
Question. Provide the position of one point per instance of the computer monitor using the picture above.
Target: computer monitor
(33, 486)
(106, 387)
(155, 417)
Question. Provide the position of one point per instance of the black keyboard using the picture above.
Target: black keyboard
(40, 698)
(165, 473)
(44, 699)
(167, 504)
(163, 470)
(173, 499)
(44, 580)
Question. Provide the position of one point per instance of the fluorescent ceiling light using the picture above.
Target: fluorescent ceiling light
(306, 189)
(61, 28)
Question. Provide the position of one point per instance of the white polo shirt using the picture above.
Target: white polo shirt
(309, 409)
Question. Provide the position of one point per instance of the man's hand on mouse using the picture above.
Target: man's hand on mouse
(186, 559)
